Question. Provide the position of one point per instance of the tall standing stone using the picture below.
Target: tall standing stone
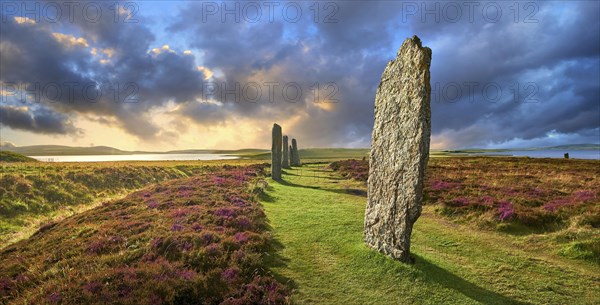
(276, 153)
(295, 156)
(285, 162)
(399, 151)
(291, 156)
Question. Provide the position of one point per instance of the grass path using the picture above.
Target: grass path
(317, 218)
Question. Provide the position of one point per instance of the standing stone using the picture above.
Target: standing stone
(285, 162)
(276, 153)
(295, 156)
(566, 155)
(291, 156)
(399, 151)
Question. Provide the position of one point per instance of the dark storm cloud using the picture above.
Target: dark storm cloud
(39, 120)
(130, 83)
(305, 52)
(544, 59)
(542, 56)
(563, 70)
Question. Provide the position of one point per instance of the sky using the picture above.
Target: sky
(167, 75)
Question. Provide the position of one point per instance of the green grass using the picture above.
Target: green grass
(9, 156)
(34, 193)
(321, 154)
(333, 153)
(553, 203)
(196, 240)
(54, 150)
(317, 217)
(312, 154)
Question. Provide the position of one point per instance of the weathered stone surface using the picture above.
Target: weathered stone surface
(295, 156)
(276, 153)
(399, 151)
(291, 155)
(285, 162)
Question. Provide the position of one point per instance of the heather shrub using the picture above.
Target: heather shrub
(197, 240)
(352, 169)
(53, 187)
(543, 194)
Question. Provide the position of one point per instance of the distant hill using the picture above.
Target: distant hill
(252, 153)
(334, 153)
(575, 147)
(237, 152)
(9, 156)
(309, 153)
(559, 147)
(242, 151)
(60, 150)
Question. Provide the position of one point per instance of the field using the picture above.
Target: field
(547, 201)
(313, 155)
(318, 218)
(493, 231)
(190, 239)
(32, 193)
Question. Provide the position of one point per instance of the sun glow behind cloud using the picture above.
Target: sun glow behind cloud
(70, 40)
(171, 56)
(24, 20)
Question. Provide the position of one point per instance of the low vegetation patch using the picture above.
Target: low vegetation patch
(9, 156)
(321, 229)
(515, 195)
(31, 193)
(352, 169)
(197, 240)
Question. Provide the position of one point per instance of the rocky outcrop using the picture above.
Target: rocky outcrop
(399, 151)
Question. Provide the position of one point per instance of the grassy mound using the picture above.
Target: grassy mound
(9, 156)
(35, 192)
(197, 240)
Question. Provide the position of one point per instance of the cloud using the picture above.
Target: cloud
(70, 40)
(7, 144)
(38, 120)
(329, 58)
(99, 70)
(528, 61)
(24, 20)
(199, 72)
(541, 58)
